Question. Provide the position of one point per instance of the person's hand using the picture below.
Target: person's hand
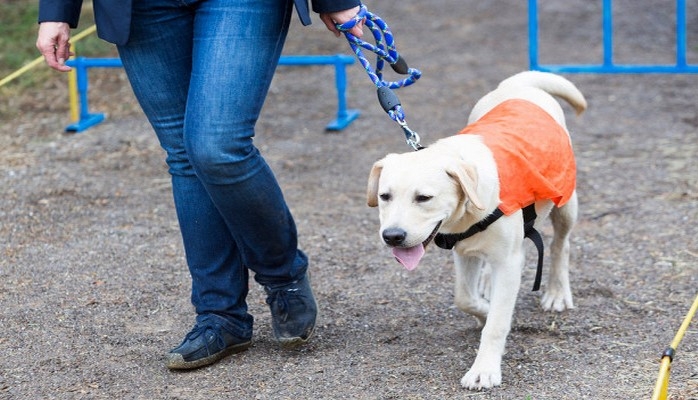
(340, 17)
(53, 42)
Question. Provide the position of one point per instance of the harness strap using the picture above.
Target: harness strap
(448, 240)
(529, 216)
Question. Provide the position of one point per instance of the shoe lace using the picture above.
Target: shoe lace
(279, 299)
(214, 328)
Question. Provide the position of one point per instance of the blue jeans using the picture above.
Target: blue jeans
(201, 72)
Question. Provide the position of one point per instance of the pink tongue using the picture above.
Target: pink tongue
(409, 257)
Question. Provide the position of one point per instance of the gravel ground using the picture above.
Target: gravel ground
(94, 290)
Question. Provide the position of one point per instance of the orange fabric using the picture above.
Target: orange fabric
(533, 154)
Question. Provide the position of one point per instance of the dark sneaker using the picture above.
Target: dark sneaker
(293, 312)
(207, 343)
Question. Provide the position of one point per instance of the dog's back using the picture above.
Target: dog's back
(537, 87)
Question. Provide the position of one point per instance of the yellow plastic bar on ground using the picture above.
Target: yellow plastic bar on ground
(662, 385)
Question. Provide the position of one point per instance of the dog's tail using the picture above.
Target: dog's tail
(551, 83)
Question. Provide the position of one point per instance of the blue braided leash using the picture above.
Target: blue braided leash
(385, 51)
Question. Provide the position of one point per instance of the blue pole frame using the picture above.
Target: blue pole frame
(343, 118)
(608, 66)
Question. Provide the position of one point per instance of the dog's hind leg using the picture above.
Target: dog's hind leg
(468, 296)
(558, 295)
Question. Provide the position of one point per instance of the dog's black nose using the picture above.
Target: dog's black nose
(394, 236)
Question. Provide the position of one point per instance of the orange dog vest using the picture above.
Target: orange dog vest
(533, 154)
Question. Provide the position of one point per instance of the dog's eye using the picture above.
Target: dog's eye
(385, 196)
(422, 198)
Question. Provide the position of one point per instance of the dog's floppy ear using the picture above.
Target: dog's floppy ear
(372, 189)
(466, 176)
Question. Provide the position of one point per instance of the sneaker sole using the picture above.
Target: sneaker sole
(292, 343)
(176, 361)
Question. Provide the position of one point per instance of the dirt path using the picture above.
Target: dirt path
(94, 291)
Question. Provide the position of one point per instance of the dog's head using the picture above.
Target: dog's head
(416, 193)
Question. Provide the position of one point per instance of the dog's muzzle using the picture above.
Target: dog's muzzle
(395, 237)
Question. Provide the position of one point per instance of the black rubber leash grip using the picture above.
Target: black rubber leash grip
(387, 98)
(400, 66)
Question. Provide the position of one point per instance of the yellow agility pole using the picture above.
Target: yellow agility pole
(662, 385)
(73, 93)
(40, 59)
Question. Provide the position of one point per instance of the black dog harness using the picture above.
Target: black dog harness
(448, 240)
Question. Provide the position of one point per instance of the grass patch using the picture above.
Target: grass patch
(18, 29)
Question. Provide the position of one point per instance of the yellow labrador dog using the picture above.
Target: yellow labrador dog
(478, 192)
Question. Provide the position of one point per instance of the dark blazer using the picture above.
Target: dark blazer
(113, 17)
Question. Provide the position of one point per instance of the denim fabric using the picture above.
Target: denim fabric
(201, 71)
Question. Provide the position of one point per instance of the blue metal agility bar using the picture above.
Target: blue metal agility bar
(608, 66)
(343, 118)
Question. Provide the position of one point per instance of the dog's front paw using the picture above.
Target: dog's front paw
(482, 378)
(557, 300)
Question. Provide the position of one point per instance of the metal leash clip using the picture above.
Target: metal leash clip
(411, 137)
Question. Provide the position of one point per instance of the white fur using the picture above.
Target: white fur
(455, 181)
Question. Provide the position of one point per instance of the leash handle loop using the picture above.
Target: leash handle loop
(385, 50)
(352, 22)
